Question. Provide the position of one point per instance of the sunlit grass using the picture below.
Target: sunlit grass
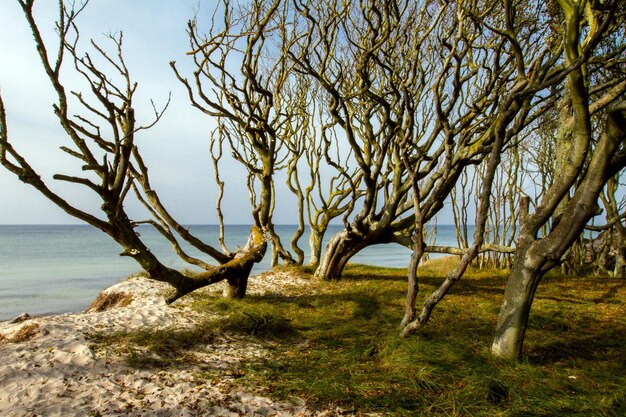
(339, 344)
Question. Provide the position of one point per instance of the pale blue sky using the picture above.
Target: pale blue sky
(176, 149)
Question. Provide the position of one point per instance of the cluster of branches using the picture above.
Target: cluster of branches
(374, 115)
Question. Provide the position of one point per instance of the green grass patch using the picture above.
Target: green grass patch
(339, 344)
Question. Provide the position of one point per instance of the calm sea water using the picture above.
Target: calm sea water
(56, 269)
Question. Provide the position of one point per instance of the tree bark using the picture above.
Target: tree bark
(341, 248)
(515, 309)
(574, 145)
(238, 284)
(235, 272)
(537, 256)
(412, 283)
(315, 246)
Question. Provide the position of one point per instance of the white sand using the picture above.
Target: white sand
(48, 367)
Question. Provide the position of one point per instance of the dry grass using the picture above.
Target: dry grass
(107, 301)
(26, 332)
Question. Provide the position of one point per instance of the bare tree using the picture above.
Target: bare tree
(248, 102)
(102, 135)
(318, 173)
(584, 162)
(272, 118)
(420, 90)
(536, 68)
(329, 52)
(510, 187)
(377, 65)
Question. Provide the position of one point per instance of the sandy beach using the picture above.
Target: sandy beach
(49, 366)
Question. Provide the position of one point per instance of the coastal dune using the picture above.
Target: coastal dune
(49, 367)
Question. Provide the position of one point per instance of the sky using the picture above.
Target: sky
(176, 149)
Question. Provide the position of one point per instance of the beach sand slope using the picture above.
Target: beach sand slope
(49, 367)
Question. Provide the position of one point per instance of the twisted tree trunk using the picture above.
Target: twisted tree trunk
(537, 256)
(341, 248)
(236, 271)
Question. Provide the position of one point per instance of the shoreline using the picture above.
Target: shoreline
(59, 268)
(212, 288)
(50, 367)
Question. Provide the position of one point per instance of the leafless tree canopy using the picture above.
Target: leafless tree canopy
(374, 114)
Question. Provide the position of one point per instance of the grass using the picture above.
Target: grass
(340, 345)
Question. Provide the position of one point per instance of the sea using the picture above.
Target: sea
(53, 269)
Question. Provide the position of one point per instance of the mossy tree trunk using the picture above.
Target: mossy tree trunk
(315, 247)
(341, 248)
(582, 169)
(236, 270)
(537, 256)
